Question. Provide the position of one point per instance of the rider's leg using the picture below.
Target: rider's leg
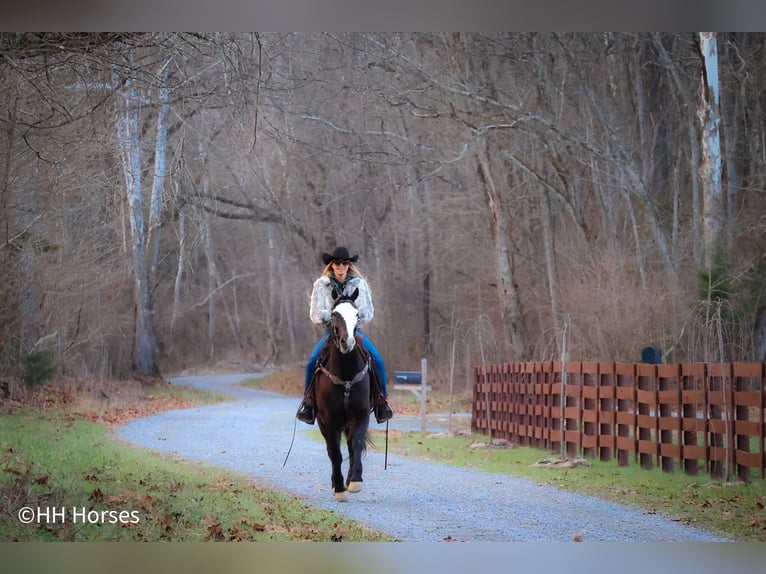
(377, 360)
(306, 412)
(381, 408)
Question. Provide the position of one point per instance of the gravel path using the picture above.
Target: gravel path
(410, 500)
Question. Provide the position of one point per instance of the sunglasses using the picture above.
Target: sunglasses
(341, 262)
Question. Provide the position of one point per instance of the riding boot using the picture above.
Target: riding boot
(306, 412)
(382, 410)
(380, 406)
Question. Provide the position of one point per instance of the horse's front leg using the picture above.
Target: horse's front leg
(332, 440)
(356, 439)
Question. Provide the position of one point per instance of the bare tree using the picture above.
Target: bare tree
(710, 171)
(520, 178)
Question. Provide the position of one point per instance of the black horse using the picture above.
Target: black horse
(343, 395)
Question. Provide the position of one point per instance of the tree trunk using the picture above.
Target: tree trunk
(694, 144)
(637, 242)
(427, 270)
(212, 286)
(643, 114)
(514, 328)
(732, 109)
(710, 172)
(550, 254)
(144, 343)
(180, 269)
(28, 296)
(158, 182)
(759, 336)
(274, 297)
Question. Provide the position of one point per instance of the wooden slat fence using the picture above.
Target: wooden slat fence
(687, 416)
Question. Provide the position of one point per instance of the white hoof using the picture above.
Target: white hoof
(340, 496)
(354, 486)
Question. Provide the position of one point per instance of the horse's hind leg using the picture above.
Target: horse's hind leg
(356, 445)
(332, 440)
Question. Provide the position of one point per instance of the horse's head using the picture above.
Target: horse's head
(344, 321)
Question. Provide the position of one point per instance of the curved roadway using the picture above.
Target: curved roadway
(410, 500)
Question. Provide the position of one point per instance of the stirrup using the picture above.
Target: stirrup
(383, 412)
(305, 414)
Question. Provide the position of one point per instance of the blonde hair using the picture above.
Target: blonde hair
(352, 271)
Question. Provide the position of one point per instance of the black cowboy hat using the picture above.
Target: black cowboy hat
(340, 254)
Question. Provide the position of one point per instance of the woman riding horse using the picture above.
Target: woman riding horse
(342, 389)
(341, 274)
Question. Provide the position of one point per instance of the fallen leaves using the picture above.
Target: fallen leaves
(123, 402)
(494, 443)
(142, 407)
(562, 462)
(215, 532)
(240, 531)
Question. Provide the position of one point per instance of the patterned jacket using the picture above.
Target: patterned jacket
(322, 301)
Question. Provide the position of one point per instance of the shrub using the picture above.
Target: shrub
(38, 367)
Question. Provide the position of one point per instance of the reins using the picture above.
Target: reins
(385, 460)
(289, 450)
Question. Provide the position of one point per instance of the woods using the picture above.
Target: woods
(165, 198)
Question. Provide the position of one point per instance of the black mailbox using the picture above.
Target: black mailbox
(651, 355)
(408, 377)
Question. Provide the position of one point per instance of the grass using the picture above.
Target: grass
(733, 510)
(63, 458)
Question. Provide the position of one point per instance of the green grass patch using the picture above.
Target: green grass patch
(51, 461)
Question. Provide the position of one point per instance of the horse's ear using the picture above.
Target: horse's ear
(355, 294)
(334, 294)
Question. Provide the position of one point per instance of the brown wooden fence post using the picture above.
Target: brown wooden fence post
(716, 401)
(627, 415)
(546, 373)
(506, 375)
(538, 426)
(558, 440)
(607, 408)
(589, 409)
(669, 423)
(646, 395)
(525, 405)
(694, 417)
(747, 395)
(573, 409)
(761, 421)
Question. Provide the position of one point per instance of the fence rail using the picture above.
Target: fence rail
(687, 416)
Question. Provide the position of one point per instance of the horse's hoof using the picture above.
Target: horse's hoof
(354, 486)
(340, 496)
